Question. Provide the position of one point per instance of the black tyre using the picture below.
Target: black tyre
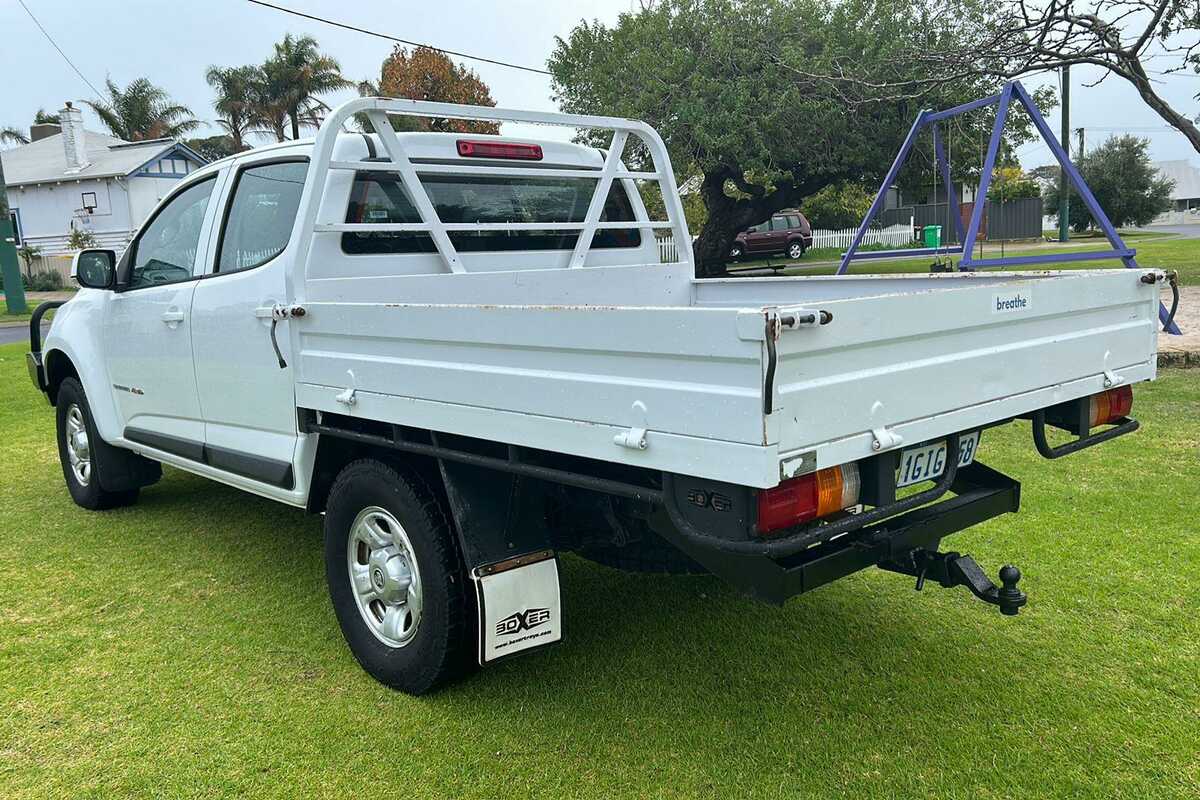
(396, 578)
(96, 472)
(795, 249)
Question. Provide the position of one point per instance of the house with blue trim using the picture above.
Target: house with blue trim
(67, 178)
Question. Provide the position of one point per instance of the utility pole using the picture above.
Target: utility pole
(1064, 198)
(1079, 133)
(14, 291)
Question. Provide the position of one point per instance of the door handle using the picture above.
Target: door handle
(172, 317)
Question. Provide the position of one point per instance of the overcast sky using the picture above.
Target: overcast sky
(173, 43)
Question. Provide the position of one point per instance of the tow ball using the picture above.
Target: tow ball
(953, 569)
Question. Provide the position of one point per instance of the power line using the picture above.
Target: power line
(395, 38)
(50, 39)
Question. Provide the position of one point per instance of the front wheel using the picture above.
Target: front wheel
(735, 253)
(795, 250)
(79, 452)
(395, 578)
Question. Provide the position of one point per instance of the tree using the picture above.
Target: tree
(42, 118)
(293, 78)
(237, 91)
(1125, 182)
(1119, 36)
(428, 74)
(214, 148)
(10, 135)
(757, 96)
(838, 206)
(80, 239)
(142, 111)
(1011, 183)
(29, 254)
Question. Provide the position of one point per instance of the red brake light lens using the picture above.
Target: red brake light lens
(1111, 406)
(808, 497)
(468, 148)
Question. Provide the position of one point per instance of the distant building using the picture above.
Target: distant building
(67, 178)
(1185, 197)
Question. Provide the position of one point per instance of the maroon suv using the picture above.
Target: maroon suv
(786, 232)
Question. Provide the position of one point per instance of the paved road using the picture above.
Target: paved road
(18, 333)
(1185, 231)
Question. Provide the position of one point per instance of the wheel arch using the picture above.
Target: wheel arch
(334, 454)
(59, 367)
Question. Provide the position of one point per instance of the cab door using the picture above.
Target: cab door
(247, 398)
(147, 334)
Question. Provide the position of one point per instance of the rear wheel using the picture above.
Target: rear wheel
(395, 578)
(795, 249)
(79, 452)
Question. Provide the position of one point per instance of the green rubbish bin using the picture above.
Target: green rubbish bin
(933, 235)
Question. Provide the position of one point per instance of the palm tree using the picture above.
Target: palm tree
(294, 76)
(12, 136)
(142, 111)
(237, 95)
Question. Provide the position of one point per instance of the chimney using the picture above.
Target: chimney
(43, 130)
(71, 119)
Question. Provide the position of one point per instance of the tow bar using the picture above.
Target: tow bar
(953, 569)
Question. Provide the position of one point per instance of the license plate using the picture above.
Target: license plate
(928, 462)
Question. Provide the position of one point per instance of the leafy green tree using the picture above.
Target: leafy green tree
(237, 91)
(42, 118)
(142, 111)
(838, 206)
(29, 254)
(753, 95)
(1124, 181)
(1011, 183)
(293, 78)
(214, 148)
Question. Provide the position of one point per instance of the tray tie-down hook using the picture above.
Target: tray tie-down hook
(954, 569)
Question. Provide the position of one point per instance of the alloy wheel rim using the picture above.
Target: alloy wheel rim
(79, 451)
(384, 576)
(795, 251)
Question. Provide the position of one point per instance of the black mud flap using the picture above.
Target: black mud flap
(981, 493)
(506, 549)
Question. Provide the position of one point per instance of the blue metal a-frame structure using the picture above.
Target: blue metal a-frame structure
(930, 119)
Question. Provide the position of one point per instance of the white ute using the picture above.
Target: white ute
(467, 352)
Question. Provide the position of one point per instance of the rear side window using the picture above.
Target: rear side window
(779, 223)
(259, 222)
(793, 221)
(379, 197)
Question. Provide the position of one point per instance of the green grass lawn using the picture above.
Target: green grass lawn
(1153, 250)
(185, 647)
(7, 317)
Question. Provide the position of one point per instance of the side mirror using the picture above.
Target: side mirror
(94, 269)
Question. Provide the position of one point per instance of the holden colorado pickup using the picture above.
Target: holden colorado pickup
(467, 353)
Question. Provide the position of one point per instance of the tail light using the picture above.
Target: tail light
(1110, 406)
(521, 152)
(808, 497)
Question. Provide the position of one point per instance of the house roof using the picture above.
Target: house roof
(1185, 175)
(45, 160)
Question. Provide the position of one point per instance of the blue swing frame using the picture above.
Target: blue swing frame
(930, 119)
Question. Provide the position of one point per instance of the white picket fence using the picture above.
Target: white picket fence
(668, 253)
(895, 235)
